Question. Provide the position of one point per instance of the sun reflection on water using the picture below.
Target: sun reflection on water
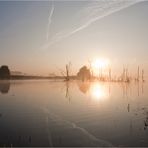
(98, 91)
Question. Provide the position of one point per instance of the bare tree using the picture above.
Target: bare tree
(66, 73)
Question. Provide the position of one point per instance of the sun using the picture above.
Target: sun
(100, 63)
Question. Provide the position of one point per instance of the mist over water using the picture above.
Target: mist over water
(57, 113)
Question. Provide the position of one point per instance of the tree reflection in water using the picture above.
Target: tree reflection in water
(84, 86)
(4, 87)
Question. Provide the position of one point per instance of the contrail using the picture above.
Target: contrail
(92, 13)
(50, 21)
(113, 7)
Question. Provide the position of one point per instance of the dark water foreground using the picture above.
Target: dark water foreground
(46, 113)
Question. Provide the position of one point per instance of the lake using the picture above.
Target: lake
(57, 113)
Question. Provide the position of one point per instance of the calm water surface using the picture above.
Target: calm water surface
(56, 113)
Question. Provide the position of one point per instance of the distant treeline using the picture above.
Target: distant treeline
(21, 77)
(84, 74)
(5, 74)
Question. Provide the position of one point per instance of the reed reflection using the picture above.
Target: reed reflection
(99, 91)
(4, 87)
(67, 94)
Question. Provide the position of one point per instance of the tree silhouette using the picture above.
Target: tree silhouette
(4, 72)
(84, 73)
(66, 73)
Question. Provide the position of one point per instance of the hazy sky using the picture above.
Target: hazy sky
(41, 37)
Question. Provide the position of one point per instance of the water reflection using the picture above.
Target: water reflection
(146, 118)
(95, 90)
(84, 86)
(4, 86)
(146, 123)
(91, 111)
(67, 93)
(98, 91)
(128, 107)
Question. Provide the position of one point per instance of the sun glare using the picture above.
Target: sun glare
(100, 63)
(98, 92)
